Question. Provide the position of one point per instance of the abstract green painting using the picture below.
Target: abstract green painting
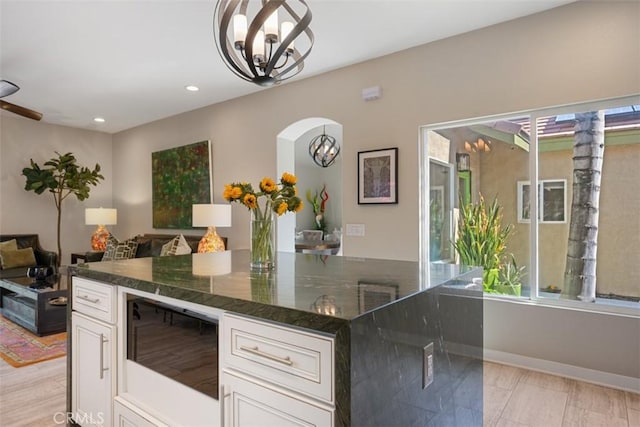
(180, 177)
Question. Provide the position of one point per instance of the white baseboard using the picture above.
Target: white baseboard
(569, 371)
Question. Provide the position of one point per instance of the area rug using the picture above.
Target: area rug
(19, 347)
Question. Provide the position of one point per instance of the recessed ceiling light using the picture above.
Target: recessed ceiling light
(192, 88)
(98, 120)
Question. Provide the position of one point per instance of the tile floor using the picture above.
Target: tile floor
(517, 397)
(513, 397)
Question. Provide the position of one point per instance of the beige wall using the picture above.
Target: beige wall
(495, 70)
(26, 212)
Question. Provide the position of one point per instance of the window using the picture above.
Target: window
(552, 205)
(593, 194)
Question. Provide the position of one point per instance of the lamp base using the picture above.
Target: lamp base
(211, 242)
(99, 239)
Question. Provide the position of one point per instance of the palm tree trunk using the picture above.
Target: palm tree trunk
(588, 153)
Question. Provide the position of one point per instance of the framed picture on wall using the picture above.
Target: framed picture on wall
(180, 178)
(378, 176)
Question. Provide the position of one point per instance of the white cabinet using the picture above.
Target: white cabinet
(127, 415)
(247, 403)
(274, 374)
(93, 356)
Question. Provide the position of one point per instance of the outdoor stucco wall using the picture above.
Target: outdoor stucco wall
(619, 227)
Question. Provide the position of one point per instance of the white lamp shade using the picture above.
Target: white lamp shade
(207, 215)
(100, 216)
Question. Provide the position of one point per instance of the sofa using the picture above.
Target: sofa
(150, 245)
(43, 257)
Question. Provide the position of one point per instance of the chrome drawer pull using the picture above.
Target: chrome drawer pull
(254, 350)
(103, 341)
(91, 300)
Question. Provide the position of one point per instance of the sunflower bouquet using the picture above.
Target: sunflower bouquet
(278, 198)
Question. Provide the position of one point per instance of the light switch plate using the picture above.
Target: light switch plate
(355, 230)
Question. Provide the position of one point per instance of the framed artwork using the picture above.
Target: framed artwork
(552, 205)
(180, 177)
(372, 295)
(378, 176)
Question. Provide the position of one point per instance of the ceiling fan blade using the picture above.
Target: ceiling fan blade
(7, 88)
(21, 111)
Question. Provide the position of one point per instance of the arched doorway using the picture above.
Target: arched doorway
(293, 157)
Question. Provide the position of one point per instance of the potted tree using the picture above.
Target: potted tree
(61, 176)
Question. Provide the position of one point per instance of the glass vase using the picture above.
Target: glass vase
(263, 241)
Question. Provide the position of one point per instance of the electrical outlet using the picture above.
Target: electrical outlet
(427, 365)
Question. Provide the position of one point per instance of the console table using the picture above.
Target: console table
(42, 309)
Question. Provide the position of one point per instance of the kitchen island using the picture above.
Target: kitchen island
(405, 345)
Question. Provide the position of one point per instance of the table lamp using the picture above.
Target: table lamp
(211, 216)
(100, 217)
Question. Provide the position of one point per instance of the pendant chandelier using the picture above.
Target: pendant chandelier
(255, 49)
(324, 149)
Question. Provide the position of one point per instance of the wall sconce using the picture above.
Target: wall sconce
(324, 149)
(100, 217)
(463, 162)
(211, 216)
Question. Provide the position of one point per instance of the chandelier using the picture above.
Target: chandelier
(260, 52)
(478, 146)
(324, 149)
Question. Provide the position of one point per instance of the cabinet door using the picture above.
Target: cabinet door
(246, 403)
(92, 370)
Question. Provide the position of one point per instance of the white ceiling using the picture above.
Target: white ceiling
(129, 61)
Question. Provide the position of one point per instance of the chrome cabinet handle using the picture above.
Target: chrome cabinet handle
(103, 341)
(255, 350)
(91, 300)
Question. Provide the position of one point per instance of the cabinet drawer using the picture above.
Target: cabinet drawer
(94, 299)
(126, 414)
(291, 358)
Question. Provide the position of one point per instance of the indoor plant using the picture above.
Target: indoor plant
(61, 176)
(278, 198)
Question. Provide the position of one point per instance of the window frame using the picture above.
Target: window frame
(534, 115)
(541, 205)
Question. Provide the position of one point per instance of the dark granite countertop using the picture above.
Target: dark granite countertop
(342, 288)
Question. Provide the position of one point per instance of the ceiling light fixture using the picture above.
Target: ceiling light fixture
(324, 149)
(99, 120)
(479, 146)
(254, 49)
(192, 88)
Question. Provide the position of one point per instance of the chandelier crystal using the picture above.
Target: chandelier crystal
(266, 49)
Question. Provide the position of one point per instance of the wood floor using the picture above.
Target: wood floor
(32, 396)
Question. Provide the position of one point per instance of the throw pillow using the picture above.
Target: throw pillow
(18, 258)
(9, 245)
(119, 250)
(177, 246)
